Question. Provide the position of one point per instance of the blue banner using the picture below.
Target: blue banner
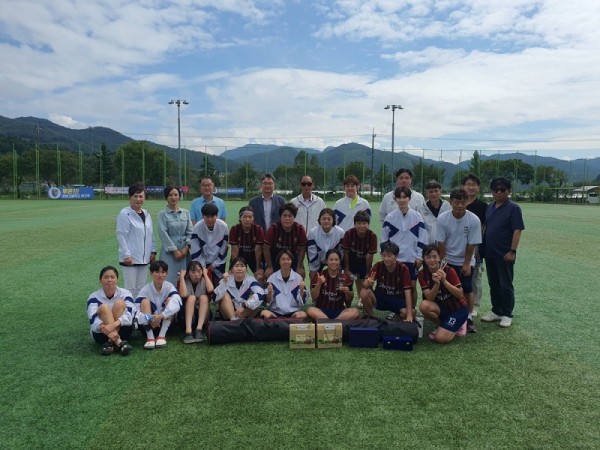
(71, 193)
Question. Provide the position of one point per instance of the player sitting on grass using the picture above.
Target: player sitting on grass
(394, 290)
(331, 291)
(443, 301)
(110, 311)
(195, 285)
(286, 293)
(157, 303)
(239, 294)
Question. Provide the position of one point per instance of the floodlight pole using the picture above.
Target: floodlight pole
(393, 108)
(179, 103)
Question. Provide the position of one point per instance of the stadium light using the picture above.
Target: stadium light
(393, 108)
(179, 103)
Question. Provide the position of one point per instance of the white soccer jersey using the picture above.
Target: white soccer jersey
(210, 246)
(250, 291)
(158, 298)
(431, 220)
(408, 232)
(320, 242)
(99, 298)
(456, 234)
(286, 294)
(308, 211)
(344, 211)
(388, 203)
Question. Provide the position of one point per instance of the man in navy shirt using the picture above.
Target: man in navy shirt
(503, 227)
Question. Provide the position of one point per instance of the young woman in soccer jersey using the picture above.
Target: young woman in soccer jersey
(157, 302)
(394, 290)
(359, 245)
(443, 301)
(238, 293)
(331, 291)
(286, 234)
(321, 238)
(110, 311)
(195, 285)
(246, 239)
(286, 292)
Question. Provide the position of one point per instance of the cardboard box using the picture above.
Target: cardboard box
(302, 335)
(404, 343)
(364, 337)
(329, 335)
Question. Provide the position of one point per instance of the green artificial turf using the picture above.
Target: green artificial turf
(534, 385)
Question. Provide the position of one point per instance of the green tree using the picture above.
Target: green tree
(422, 173)
(357, 168)
(552, 176)
(245, 176)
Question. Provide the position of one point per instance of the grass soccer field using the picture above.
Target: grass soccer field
(534, 385)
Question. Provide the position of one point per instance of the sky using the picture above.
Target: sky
(516, 75)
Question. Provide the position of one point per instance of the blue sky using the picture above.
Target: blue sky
(496, 76)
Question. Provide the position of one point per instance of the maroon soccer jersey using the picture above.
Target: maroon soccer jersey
(279, 240)
(390, 283)
(330, 296)
(359, 247)
(445, 300)
(247, 242)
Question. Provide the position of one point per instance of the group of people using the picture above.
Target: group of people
(441, 244)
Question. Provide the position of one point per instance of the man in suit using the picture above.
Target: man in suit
(266, 206)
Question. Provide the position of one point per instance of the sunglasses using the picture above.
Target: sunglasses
(306, 183)
(499, 190)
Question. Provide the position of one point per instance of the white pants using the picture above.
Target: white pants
(135, 278)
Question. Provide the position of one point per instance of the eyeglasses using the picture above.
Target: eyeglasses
(306, 183)
(499, 190)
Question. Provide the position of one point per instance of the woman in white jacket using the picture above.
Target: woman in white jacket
(135, 236)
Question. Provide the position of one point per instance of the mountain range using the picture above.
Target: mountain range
(24, 132)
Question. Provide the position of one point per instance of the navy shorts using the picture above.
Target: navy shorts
(359, 270)
(390, 303)
(331, 312)
(124, 333)
(453, 320)
(412, 270)
(465, 280)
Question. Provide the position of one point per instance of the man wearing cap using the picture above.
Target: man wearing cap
(503, 227)
(207, 187)
(388, 204)
(309, 205)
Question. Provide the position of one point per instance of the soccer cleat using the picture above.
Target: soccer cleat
(491, 317)
(150, 344)
(161, 342)
(505, 322)
(471, 326)
(462, 331)
(189, 338)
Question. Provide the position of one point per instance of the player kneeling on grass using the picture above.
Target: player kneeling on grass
(158, 302)
(110, 310)
(331, 290)
(239, 294)
(195, 285)
(443, 301)
(286, 293)
(394, 289)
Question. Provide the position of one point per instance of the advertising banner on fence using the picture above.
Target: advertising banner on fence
(71, 193)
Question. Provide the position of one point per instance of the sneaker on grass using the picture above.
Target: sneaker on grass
(161, 342)
(491, 317)
(124, 348)
(475, 312)
(150, 344)
(471, 326)
(199, 336)
(505, 322)
(107, 349)
(189, 338)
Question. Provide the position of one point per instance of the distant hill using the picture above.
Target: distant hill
(24, 132)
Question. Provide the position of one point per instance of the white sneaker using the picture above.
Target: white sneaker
(505, 322)
(150, 344)
(161, 342)
(475, 312)
(491, 317)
